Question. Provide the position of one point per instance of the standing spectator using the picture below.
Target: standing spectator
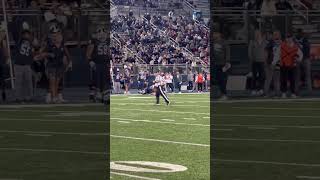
(290, 55)
(3, 61)
(169, 79)
(178, 81)
(273, 64)
(200, 81)
(222, 64)
(190, 80)
(117, 79)
(22, 68)
(141, 80)
(305, 65)
(257, 55)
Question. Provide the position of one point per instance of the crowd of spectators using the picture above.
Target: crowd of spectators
(149, 38)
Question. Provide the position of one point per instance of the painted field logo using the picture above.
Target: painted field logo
(146, 167)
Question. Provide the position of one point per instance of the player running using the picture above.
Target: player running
(159, 83)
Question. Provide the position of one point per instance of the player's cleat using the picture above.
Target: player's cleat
(61, 99)
(48, 98)
(223, 98)
(168, 103)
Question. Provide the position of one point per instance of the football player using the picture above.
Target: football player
(97, 54)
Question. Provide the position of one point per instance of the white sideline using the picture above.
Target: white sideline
(266, 162)
(151, 104)
(133, 176)
(266, 100)
(308, 177)
(162, 141)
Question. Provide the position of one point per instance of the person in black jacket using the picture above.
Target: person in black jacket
(3, 62)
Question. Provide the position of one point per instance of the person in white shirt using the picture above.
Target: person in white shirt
(159, 82)
(169, 81)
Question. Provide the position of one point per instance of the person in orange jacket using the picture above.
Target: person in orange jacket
(290, 56)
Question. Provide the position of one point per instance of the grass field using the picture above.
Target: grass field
(267, 140)
(52, 143)
(177, 134)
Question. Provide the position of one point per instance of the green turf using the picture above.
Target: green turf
(48, 143)
(185, 120)
(263, 136)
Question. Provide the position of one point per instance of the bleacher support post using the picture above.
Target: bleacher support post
(8, 43)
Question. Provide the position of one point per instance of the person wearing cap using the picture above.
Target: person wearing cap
(117, 79)
(22, 68)
(159, 83)
(97, 56)
(57, 60)
(221, 63)
(291, 54)
(3, 61)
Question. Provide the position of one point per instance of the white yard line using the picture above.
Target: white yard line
(151, 104)
(160, 122)
(278, 108)
(161, 141)
(52, 150)
(268, 140)
(15, 106)
(189, 119)
(54, 133)
(262, 128)
(155, 110)
(267, 100)
(308, 177)
(170, 120)
(133, 176)
(53, 120)
(124, 122)
(264, 116)
(266, 162)
(265, 126)
(38, 135)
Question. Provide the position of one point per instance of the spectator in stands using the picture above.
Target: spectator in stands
(22, 68)
(257, 56)
(290, 55)
(221, 64)
(305, 65)
(272, 69)
(190, 80)
(178, 79)
(3, 61)
(283, 5)
(117, 79)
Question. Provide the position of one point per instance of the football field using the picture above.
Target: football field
(268, 140)
(49, 142)
(160, 142)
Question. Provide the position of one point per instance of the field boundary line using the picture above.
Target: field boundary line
(267, 100)
(159, 140)
(133, 176)
(266, 162)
